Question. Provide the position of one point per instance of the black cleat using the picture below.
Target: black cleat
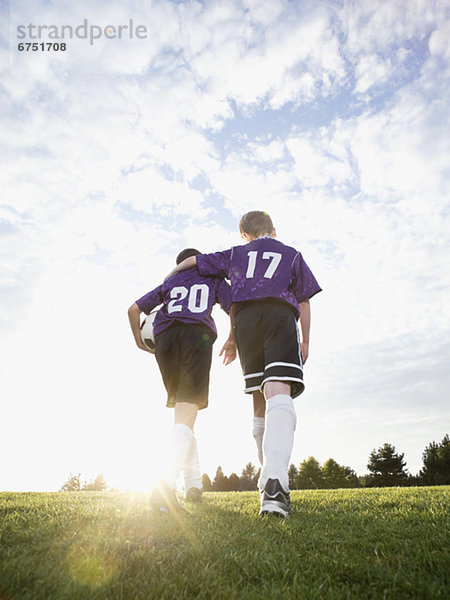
(274, 500)
(194, 495)
(163, 499)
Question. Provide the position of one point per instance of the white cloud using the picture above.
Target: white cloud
(370, 71)
(378, 26)
(315, 163)
(401, 153)
(294, 88)
(147, 190)
(244, 185)
(272, 151)
(439, 43)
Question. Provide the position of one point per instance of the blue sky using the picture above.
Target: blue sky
(332, 116)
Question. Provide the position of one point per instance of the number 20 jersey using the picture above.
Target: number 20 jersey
(263, 268)
(187, 298)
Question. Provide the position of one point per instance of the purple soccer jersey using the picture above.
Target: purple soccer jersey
(188, 298)
(263, 268)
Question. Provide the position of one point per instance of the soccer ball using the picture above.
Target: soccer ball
(147, 335)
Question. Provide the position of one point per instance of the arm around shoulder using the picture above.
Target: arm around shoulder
(187, 263)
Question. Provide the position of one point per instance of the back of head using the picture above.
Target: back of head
(256, 223)
(186, 253)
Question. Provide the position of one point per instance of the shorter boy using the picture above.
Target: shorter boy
(270, 286)
(184, 335)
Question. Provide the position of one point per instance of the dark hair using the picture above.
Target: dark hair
(186, 253)
(256, 223)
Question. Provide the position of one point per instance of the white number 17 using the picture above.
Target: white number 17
(274, 258)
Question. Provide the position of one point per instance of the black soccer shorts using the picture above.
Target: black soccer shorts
(184, 355)
(268, 342)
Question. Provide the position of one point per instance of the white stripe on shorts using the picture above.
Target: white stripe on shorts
(275, 378)
(252, 389)
(282, 364)
(253, 375)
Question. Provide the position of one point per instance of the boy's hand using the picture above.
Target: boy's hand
(187, 263)
(305, 351)
(140, 344)
(228, 351)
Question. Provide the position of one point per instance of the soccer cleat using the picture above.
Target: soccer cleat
(274, 500)
(164, 499)
(194, 495)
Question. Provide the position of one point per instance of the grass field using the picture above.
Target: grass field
(373, 543)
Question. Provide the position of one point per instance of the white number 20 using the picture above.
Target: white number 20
(274, 258)
(197, 301)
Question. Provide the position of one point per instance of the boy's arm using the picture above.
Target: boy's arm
(216, 264)
(187, 263)
(305, 324)
(229, 348)
(134, 314)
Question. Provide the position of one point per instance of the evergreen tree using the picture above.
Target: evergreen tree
(249, 478)
(233, 483)
(98, 485)
(73, 483)
(309, 475)
(220, 481)
(436, 463)
(353, 480)
(292, 474)
(206, 483)
(386, 466)
(334, 475)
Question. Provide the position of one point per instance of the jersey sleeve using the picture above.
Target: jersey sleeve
(224, 295)
(304, 284)
(216, 264)
(151, 300)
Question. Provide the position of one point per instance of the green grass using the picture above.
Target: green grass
(375, 543)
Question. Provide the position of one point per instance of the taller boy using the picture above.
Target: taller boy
(270, 286)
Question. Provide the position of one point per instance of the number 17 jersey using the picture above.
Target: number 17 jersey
(263, 268)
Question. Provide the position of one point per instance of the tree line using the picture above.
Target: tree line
(386, 467)
(74, 484)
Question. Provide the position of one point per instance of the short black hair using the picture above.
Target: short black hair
(186, 253)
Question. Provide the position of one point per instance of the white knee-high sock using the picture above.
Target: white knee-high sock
(192, 477)
(180, 441)
(259, 424)
(278, 440)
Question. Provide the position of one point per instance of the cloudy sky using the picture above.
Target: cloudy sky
(332, 115)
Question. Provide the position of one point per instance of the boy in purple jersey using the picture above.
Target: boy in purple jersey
(270, 287)
(184, 333)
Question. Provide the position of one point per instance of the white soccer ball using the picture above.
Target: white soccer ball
(147, 335)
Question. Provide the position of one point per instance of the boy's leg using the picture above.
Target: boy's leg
(268, 342)
(186, 414)
(192, 476)
(180, 440)
(278, 440)
(259, 411)
(184, 365)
